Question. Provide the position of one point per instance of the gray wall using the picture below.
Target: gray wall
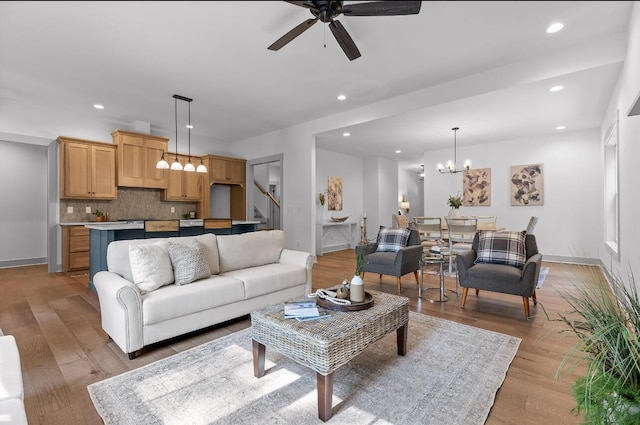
(23, 211)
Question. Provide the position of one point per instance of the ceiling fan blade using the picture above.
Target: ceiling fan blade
(382, 8)
(344, 40)
(288, 37)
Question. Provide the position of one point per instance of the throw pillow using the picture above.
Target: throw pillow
(392, 240)
(502, 248)
(189, 262)
(151, 265)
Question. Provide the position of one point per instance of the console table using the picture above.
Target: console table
(345, 231)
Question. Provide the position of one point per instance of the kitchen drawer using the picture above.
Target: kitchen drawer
(78, 231)
(78, 260)
(78, 243)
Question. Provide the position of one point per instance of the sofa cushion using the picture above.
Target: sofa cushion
(268, 278)
(172, 301)
(151, 265)
(249, 249)
(189, 262)
(392, 240)
(502, 248)
(210, 243)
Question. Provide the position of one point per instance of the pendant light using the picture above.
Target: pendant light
(451, 165)
(175, 165)
(189, 165)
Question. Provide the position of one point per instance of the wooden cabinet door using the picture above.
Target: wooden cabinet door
(183, 185)
(76, 182)
(103, 172)
(153, 152)
(131, 171)
(217, 170)
(235, 171)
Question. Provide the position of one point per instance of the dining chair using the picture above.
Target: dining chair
(402, 221)
(461, 231)
(486, 222)
(430, 230)
(532, 224)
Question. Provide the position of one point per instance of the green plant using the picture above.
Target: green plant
(455, 201)
(362, 252)
(606, 322)
(321, 198)
(98, 213)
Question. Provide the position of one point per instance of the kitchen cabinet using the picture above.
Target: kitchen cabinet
(138, 155)
(183, 185)
(87, 169)
(227, 170)
(75, 248)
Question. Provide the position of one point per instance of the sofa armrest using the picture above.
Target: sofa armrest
(531, 271)
(409, 258)
(120, 310)
(464, 261)
(299, 258)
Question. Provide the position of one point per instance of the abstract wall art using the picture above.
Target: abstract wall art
(334, 192)
(527, 185)
(476, 186)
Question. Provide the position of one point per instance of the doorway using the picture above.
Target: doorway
(264, 191)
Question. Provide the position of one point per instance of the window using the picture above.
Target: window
(611, 198)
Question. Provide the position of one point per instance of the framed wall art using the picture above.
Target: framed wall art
(334, 192)
(527, 185)
(476, 187)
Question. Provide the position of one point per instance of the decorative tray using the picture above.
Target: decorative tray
(339, 219)
(367, 303)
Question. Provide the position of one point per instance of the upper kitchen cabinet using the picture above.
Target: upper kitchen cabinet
(138, 155)
(87, 169)
(183, 185)
(226, 170)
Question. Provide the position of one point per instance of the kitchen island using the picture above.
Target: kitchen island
(101, 234)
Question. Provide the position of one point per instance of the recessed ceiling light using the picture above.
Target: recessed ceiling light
(560, 127)
(556, 88)
(398, 151)
(97, 106)
(555, 27)
(342, 97)
(346, 134)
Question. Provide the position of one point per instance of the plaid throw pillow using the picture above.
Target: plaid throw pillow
(392, 240)
(502, 248)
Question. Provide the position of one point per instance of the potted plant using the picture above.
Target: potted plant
(455, 202)
(99, 215)
(606, 319)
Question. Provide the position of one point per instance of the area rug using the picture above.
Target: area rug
(450, 375)
(544, 271)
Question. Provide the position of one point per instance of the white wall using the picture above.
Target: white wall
(628, 87)
(23, 215)
(570, 221)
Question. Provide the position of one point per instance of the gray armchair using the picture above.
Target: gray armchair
(397, 264)
(500, 277)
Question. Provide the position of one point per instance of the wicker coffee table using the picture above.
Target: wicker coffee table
(326, 344)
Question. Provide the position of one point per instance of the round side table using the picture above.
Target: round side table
(438, 260)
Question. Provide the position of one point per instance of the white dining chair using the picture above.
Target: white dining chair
(461, 231)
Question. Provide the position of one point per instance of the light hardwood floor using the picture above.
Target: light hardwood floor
(56, 321)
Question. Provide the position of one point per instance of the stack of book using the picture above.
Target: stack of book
(303, 311)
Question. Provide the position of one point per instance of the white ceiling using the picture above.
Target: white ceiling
(483, 66)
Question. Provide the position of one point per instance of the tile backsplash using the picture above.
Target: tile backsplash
(132, 203)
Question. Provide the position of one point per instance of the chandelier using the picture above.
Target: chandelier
(451, 165)
(176, 165)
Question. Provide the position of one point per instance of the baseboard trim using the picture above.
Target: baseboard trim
(24, 262)
(572, 260)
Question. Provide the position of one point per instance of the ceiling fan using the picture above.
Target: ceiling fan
(327, 11)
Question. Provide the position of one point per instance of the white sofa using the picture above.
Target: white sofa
(248, 271)
(12, 410)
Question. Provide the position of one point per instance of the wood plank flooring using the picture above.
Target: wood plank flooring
(56, 321)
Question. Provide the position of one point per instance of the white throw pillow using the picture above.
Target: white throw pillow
(151, 265)
(189, 262)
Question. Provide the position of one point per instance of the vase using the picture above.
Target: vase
(454, 212)
(356, 289)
